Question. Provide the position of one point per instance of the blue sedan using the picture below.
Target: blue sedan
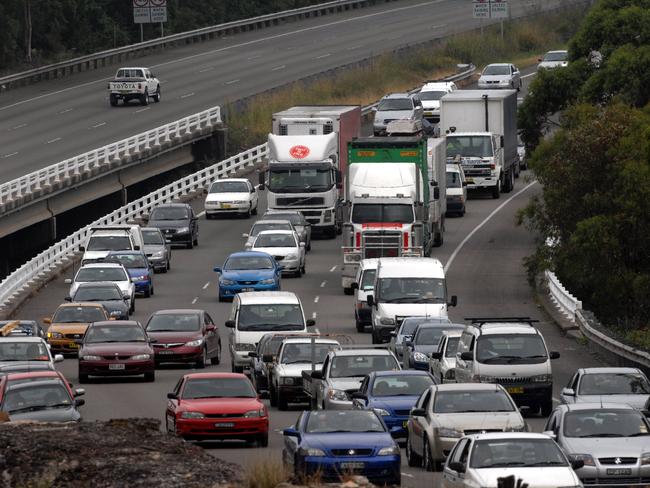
(139, 268)
(392, 395)
(335, 443)
(248, 271)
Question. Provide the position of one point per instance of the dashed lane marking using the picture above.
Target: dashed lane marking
(314, 315)
(54, 140)
(206, 285)
(206, 69)
(66, 111)
(98, 125)
(196, 299)
(332, 269)
(142, 110)
(187, 95)
(316, 298)
(201, 214)
(232, 81)
(277, 68)
(9, 155)
(19, 126)
(322, 285)
(407, 475)
(323, 56)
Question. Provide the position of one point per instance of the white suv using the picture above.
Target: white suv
(363, 284)
(430, 95)
(512, 352)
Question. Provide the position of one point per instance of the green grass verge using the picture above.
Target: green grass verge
(524, 40)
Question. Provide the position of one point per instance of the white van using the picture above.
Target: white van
(254, 314)
(407, 287)
(363, 284)
(512, 352)
(107, 238)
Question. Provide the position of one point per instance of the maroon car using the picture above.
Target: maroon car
(116, 348)
(184, 336)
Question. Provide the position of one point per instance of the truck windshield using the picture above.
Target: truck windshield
(367, 213)
(412, 290)
(300, 180)
(270, 317)
(469, 146)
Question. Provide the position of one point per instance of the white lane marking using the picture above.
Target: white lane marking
(316, 330)
(322, 285)
(277, 68)
(98, 125)
(314, 315)
(200, 214)
(439, 26)
(316, 298)
(234, 46)
(332, 269)
(354, 47)
(54, 140)
(187, 95)
(206, 285)
(9, 155)
(529, 75)
(206, 69)
(254, 57)
(323, 56)
(232, 81)
(66, 111)
(196, 299)
(407, 475)
(19, 126)
(142, 110)
(485, 221)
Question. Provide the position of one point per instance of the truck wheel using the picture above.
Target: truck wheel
(144, 99)
(438, 237)
(348, 291)
(509, 182)
(156, 96)
(360, 327)
(283, 404)
(272, 397)
(496, 191)
(113, 100)
(375, 339)
(546, 408)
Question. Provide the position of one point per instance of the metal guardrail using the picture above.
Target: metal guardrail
(59, 176)
(63, 252)
(563, 299)
(93, 61)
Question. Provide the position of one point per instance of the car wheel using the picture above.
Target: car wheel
(144, 99)
(169, 264)
(83, 378)
(132, 311)
(427, 460)
(196, 239)
(150, 376)
(157, 96)
(360, 327)
(217, 359)
(272, 397)
(113, 100)
(263, 440)
(221, 298)
(200, 364)
(303, 269)
(413, 460)
(546, 408)
(190, 244)
(147, 292)
(348, 291)
(308, 246)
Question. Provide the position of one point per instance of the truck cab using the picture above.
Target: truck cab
(481, 156)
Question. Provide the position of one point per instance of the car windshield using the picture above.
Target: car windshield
(262, 226)
(97, 294)
(23, 351)
(129, 261)
(270, 316)
(218, 388)
(229, 187)
(248, 262)
(371, 213)
(322, 421)
(499, 453)
(431, 95)
(452, 347)
(298, 180)
(453, 180)
(472, 401)
(153, 237)
(169, 213)
(368, 279)
(101, 274)
(129, 73)
(560, 56)
(401, 385)
(393, 104)
(428, 336)
(114, 333)
(605, 422)
(409, 324)
(294, 353)
(36, 396)
(356, 366)
(412, 290)
(469, 146)
(497, 69)
(109, 243)
(78, 314)
(272, 346)
(275, 240)
(511, 349)
(614, 384)
(174, 322)
(295, 219)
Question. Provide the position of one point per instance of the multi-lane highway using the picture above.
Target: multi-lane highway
(50, 121)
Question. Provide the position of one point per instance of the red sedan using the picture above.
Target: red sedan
(217, 406)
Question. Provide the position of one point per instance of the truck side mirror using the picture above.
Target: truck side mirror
(467, 356)
(502, 141)
(354, 286)
(261, 180)
(436, 193)
(230, 324)
(454, 301)
(371, 301)
(338, 178)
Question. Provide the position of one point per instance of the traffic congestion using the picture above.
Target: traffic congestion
(402, 382)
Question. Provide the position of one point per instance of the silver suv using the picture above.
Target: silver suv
(397, 106)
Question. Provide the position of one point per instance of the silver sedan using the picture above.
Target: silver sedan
(612, 385)
(500, 75)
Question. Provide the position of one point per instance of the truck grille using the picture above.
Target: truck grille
(379, 245)
(477, 170)
(300, 201)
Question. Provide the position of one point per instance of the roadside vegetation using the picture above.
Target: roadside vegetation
(594, 166)
(250, 121)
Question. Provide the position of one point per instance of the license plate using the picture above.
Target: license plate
(619, 471)
(165, 352)
(405, 423)
(469, 181)
(353, 465)
(225, 205)
(224, 425)
(516, 389)
(73, 345)
(116, 366)
(248, 289)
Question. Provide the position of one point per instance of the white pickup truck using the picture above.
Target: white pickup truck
(134, 83)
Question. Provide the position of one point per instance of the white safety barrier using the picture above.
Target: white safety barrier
(56, 177)
(61, 253)
(565, 301)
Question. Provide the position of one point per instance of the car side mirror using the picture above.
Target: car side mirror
(357, 395)
(78, 402)
(152, 340)
(268, 358)
(248, 246)
(79, 392)
(252, 190)
(58, 358)
(136, 248)
(501, 141)
(126, 297)
(454, 301)
(280, 268)
(245, 236)
(68, 281)
(554, 355)
(252, 354)
(418, 412)
(371, 301)
(374, 109)
(456, 466)
(217, 269)
(539, 60)
(568, 392)
(436, 355)
(550, 433)
(467, 356)
(230, 324)
(396, 431)
(311, 322)
(145, 217)
(577, 463)
(47, 320)
(291, 432)
(393, 333)
(172, 396)
(317, 375)
(210, 327)
(464, 183)
(302, 244)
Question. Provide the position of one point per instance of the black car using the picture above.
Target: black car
(177, 222)
(106, 293)
(27, 328)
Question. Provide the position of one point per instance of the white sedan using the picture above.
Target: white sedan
(232, 195)
(112, 272)
(285, 247)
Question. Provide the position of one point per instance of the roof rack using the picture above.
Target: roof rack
(479, 321)
(7, 328)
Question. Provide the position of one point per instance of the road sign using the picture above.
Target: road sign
(481, 9)
(149, 11)
(498, 9)
(141, 15)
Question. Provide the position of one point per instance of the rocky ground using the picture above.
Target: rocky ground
(113, 454)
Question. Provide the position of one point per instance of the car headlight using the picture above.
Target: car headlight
(91, 358)
(387, 321)
(54, 335)
(287, 380)
(588, 460)
(291, 256)
(192, 415)
(542, 378)
(141, 357)
(481, 378)
(339, 395)
(194, 343)
(420, 357)
(244, 346)
(255, 413)
(226, 282)
(158, 254)
(115, 313)
(182, 230)
(311, 451)
(140, 277)
(444, 432)
(389, 451)
(645, 459)
(268, 281)
(382, 412)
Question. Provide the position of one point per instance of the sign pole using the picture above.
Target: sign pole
(162, 30)
(501, 30)
(141, 33)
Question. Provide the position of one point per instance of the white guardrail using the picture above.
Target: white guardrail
(57, 177)
(92, 61)
(565, 302)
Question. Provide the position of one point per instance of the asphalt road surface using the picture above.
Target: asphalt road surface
(47, 122)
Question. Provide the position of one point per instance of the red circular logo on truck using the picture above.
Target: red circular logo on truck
(299, 152)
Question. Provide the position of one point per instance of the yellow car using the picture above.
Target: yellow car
(69, 323)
